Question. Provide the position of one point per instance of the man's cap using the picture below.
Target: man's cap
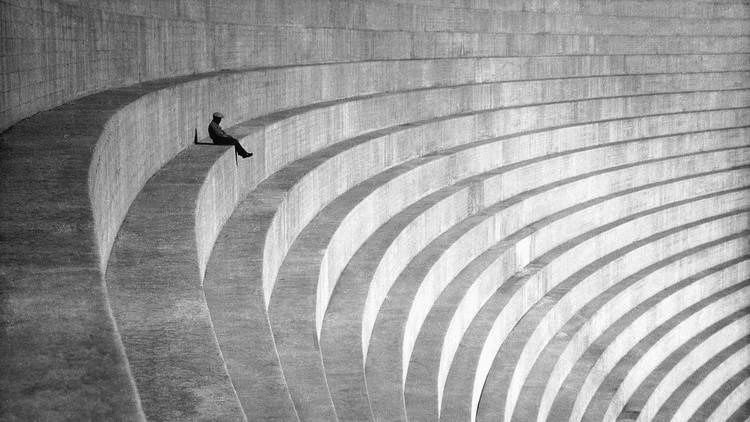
(218, 115)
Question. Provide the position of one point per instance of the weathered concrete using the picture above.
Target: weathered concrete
(353, 212)
(423, 371)
(727, 402)
(566, 348)
(528, 337)
(689, 396)
(319, 191)
(50, 46)
(154, 287)
(375, 84)
(697, 357)
(514, 297)
(618, 357)
(669, 311)
(461, 200)
(664, 347)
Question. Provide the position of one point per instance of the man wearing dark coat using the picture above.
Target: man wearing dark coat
(217, 134)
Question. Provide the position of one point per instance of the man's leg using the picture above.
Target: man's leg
(239, 150)
(237, 146)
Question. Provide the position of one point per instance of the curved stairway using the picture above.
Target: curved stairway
(533, 210)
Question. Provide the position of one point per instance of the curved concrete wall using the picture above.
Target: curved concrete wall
(409, 99)
(56, 51)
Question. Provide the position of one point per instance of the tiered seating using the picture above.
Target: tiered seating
(446, 204)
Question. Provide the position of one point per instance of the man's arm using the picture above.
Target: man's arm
(216, 133)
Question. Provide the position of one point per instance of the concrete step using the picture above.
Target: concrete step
(422, 380)
(698, 8)
(154, 287)
(73, 176)
(406, 305)
(729, 402)
(252, 204)
(611, 357)
(531, 334)
(277, 136)
(514, 297)
(598, 317)
(146, 103)
(652, 355)
(694, 363)
(700, 384)
(351, 318)
(341, 331)
(338, 231)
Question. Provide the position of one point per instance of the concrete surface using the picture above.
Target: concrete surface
(146, 278)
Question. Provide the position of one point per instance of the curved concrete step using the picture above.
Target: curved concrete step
(601, 315)
(741, 414)
(62, 357)
(668, 310)
(620, 359)
(683, 402)
(341, 336)
(391, 340)
(727, 403)
(698, 8)
(715, 339)
(479, 293)
(235, 295)
(663, 349)
(304, 266)
(499, 314)
(423, 369)
(526, 342)
(156, 297)
(299, 273)
(717, 368)
(733, 402)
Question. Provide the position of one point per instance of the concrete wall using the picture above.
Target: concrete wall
(55, 51)
(328, 94)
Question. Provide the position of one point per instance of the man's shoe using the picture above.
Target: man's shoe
(249, 154)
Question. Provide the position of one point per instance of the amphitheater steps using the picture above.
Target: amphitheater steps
(699, 353)
(341, 333)
(718, 305)
(128, 297)
(251, 200)
(423, 377)
(297, 275)
(527, 339)
(155, 293)
(292, 307)
(424, 356)
(630, 372)
(346, 322)
(62, 347)
(713, 371)
(502, 308)
(684, 402)
(567, 346)
(727, 402)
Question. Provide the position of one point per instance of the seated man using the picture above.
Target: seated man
(220, 137)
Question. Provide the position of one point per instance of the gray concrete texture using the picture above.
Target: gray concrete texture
(524, 210)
